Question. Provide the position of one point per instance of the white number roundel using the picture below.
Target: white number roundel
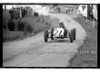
(58, 32)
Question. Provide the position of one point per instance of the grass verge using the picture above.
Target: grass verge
(87, 53)
(28, 26)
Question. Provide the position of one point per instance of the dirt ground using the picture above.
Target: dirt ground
(87, 53)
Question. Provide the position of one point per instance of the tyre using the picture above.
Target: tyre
(52, 34)
(71, 36)
(65, 33)
(46, 36)
(74, 34)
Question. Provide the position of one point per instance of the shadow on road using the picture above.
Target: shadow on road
(59, 41)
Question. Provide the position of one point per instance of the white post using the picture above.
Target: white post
(93, 23)
(20, 12)
(5, 7)
(86, 12)
(86, 19)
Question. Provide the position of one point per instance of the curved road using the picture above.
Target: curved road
(34, 52)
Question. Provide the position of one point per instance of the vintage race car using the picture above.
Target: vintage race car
(60, 32)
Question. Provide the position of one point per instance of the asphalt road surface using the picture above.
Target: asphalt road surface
(34, 52)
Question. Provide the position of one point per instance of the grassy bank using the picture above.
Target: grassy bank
(25, 27)
(89, 56)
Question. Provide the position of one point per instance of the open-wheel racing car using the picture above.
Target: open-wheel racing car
(60, 32)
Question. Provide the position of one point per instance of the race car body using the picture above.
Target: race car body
(60, 33)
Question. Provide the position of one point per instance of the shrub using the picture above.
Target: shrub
(6, 18)
(27, 26)
(11, 25)
(36, 14)
(21, 26)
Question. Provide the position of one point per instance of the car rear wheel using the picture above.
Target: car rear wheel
(74, 33)
(71, 36)
(46, 36)
(65, 33)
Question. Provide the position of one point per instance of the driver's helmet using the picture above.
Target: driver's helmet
(61, 24)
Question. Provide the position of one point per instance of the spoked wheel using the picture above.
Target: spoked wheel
(52, 34)
(71, 36)
(46, 36)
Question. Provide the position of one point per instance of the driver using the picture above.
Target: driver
(61, 24)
